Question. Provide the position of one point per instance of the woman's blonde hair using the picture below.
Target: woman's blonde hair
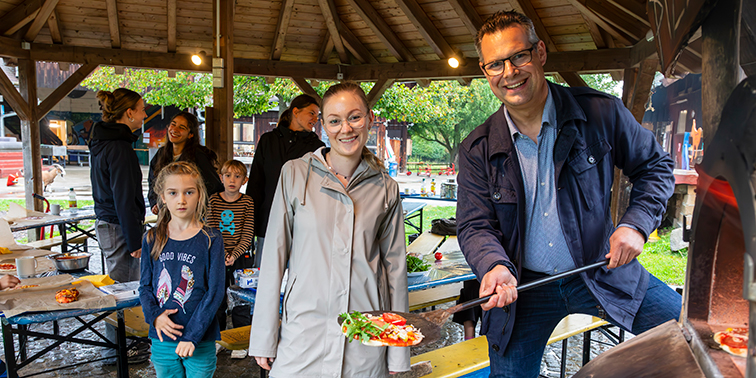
(115, 104)
(159, 233)
(373, 161)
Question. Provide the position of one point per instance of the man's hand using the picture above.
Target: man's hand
(501, 281)
(185, 349)
(164, 325)
(265, 362)
(625, 244)
(9, 281)
(137, 254)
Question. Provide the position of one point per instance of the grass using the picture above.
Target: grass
(657, 257)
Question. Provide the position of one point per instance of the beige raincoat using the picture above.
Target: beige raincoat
(345, 251)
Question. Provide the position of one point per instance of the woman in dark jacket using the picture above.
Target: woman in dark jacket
(291, 139)
(183, 145)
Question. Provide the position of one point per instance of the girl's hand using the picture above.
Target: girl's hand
(185, 349)
(8, 280)
(164, 325)
(230, 260)
(265, 362)
(137, 254)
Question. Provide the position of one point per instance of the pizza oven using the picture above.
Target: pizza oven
(720, 287)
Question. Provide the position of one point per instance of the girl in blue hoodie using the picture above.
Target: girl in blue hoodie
(182, 273)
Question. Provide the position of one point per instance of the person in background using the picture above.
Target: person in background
(337, 223)
(183, 145)
(535, 183)
(292, 138)
(182, 277)
(117, 193)
(233, 214)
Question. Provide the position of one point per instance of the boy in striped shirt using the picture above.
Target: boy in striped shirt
(232, 213)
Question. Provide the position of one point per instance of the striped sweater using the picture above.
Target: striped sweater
(235, 220)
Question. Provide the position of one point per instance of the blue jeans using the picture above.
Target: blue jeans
(169, 365)
(539, 310)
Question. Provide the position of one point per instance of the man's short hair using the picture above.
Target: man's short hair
(234, 166)
(502, 20)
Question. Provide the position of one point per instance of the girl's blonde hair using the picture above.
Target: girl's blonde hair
(159, 233)
(373, 161)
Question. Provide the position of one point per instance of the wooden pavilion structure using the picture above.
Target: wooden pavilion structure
(381, 41)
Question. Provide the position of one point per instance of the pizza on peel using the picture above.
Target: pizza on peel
(733, 341)
(389, 329)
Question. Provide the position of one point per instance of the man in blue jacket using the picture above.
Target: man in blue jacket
(534, 200)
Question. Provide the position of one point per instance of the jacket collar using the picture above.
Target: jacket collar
(567, 109)
(112, 131)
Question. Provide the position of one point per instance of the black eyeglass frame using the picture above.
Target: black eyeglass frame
(503, 61)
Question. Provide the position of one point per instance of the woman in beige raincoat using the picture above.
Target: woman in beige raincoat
(337, 223)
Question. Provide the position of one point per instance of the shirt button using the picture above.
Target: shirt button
(545, 214)
(543, 183)
(556, 270)
(551, 244)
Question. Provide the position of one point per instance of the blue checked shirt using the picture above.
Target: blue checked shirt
(545, 249)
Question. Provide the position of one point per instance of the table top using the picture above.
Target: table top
(41, 317)
(420, 197)
(66, 216)
(411, 207)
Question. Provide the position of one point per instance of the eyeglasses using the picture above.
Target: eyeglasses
(355, 121)
(518, 59)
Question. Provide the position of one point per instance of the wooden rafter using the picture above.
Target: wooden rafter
(64, 89)
(377, 91)
(325, 50)
(573, 79)
(284, 16)
(596, 33)
(599, 21)
(632, 8)
(641, 51)
(642, 90)
(614, 17)
(42, 16)
(468, 15)
(113, 24)
(305, 87)
(382, 30)
(53, 23)
(356, 47)
(171, 8)
(464, 81)
(427, 29)
(19, 16)
(328, 9)
(16, 101)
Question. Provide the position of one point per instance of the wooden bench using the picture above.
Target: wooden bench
(235, 338)
(133, 319)
(469, 358)
(75, 238)
(426, 243)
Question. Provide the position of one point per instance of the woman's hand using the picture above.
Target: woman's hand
(137, 254)
(8, 281)
(185, 349)
(230, 260)
(265, 362)
(164, 325)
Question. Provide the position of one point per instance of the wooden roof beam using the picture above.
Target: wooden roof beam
(596, 33)
(306, 88)
(64, 89)
(427, 29)
(333, 23)
(15, 100)
(616, 18)
(468, 15)
(113, 24)
(53, 23)
(19, 16)
(382, 30)
(284, 17)
(465, 81)
(573, 79)
(325, 50)
(599, 21)
(356, 47)
(42, 16)
(632, 8)
(380, 87)
(171, 7)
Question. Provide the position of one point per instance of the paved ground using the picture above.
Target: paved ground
(78, 178)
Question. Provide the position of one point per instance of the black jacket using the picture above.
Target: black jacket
(210, 176)
(275, 148)
(117, 180)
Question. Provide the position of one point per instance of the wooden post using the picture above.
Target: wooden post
(223, 89)
(27, 83)
(720, 34)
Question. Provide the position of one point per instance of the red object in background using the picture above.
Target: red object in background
(12, 180)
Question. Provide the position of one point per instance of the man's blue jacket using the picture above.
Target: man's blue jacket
(595, 133)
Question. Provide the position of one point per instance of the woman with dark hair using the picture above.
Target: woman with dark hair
(292, 138)
(117, 192)
(183, 145)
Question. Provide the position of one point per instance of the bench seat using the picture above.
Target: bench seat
(133, 320)
(235, 338)
(426, 243)
(75, 238)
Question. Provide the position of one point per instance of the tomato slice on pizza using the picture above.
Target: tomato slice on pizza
(389, 329)
(733, 341)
